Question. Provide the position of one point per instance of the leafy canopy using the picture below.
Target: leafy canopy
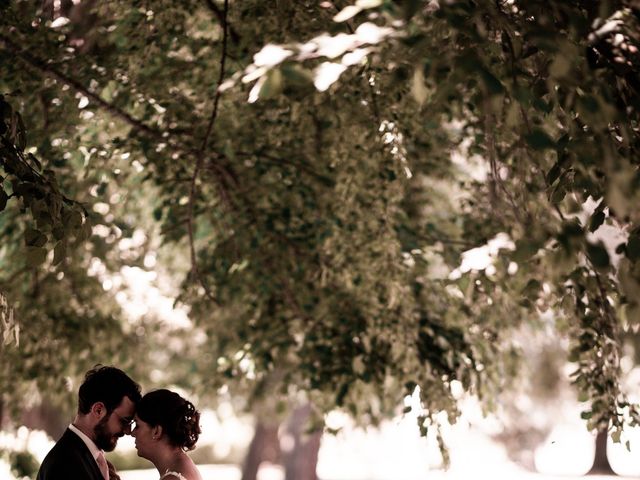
(322, 167)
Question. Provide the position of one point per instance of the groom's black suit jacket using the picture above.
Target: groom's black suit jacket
(69, 459)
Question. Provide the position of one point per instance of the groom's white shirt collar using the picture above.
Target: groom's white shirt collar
(95, 451)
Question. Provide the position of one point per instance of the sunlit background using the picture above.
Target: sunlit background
(479, 445)
(393, 452)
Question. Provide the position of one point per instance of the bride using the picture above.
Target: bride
(167, 426)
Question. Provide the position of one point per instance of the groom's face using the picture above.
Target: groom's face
(114, 425)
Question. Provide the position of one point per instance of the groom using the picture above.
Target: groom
(106, 404)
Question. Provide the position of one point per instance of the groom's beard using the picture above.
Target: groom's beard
(105, 440)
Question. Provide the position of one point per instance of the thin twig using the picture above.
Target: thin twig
(496, 182)
(200, 157)
(274, 160)
(222, 18)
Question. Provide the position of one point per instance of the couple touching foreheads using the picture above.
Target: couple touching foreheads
(164, 424)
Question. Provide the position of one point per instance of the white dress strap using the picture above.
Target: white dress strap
(175, 474)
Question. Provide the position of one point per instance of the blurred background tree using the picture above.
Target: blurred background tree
(321, 179)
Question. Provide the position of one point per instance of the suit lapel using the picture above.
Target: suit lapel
(84, 454)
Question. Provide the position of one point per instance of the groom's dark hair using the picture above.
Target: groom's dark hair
(108, 385)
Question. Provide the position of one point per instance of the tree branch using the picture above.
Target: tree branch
(50, 71)
(222, 18)
(201, 153)
(178, 145)
(46, 69)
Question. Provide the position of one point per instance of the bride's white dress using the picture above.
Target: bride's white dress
(179, 475)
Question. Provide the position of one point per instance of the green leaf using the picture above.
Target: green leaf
(633, 247)
(4, 198)
(43, 218)
(494, 86)
(554, 173)
(522, 94)
(615, 436)
(19, 137)
(34, 238)
(542, 106)
(71, 219)
(84, 232)
(418, 88)
(58, 232)
(525, 249)
(596, 220)
(512, 118)
(560, 66)
(532, 289)
(589, 103)
(59, 252)
(558, 194)
(35, 161)
(5, 113)
(35, 256)
(582, 397)
(598, 255)
(272, 85)
(346, 13)
(539, 140)
(297, 76)
(368, 3)
(410, 8)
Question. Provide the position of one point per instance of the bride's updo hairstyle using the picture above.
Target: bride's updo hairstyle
(179, 419)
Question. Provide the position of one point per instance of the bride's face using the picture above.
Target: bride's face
(143, 433)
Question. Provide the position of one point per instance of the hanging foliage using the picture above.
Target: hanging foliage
(370, 197)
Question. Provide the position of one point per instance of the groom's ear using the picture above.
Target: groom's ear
(99, 410)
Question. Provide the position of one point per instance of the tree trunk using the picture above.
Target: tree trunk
(301, 461)
(264, 446)
(601, 465)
